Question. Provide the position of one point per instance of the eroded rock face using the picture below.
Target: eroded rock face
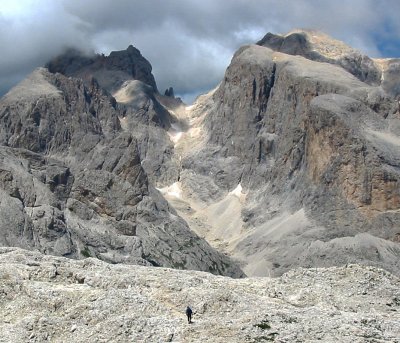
(126, 75)
(317, 46)
(291, 161)
(73, 179)
(390, 75)
(51, 113)
(109, 71)
(315, 153)
(46, 298)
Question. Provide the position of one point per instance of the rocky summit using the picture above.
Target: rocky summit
(292, 161)
(78, 168)
(54, 299)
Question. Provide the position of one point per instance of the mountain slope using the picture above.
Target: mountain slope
(74, 181)
(318, 46)
(292, 161)
(297, 165)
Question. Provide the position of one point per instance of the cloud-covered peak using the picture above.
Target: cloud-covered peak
(109, 71)
(189, 43)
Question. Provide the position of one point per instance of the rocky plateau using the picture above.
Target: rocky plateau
(53, 299)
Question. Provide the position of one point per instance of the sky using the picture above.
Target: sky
(188, 42)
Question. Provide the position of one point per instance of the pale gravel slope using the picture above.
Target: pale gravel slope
(46, 298)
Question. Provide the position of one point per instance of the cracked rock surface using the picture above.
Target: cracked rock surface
(296, 161)
(78, 169)
(54, 299)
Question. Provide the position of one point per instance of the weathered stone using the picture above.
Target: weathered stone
(109, 71)
(306, 153)
(73, 176)
(58, 299)
(319, 47)
(169, 92)
(291, 161)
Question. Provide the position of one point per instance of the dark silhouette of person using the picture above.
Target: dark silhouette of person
(189, 314)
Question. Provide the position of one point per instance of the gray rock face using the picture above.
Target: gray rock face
(292, 161)
(46, 298)
(72, 180)
(169, 92)
(109, 71)
(315, 153)
(31, 113)
(317, 46)
(127, 76)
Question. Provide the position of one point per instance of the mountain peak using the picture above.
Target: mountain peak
(320, 47)
(110, 71)
(131, 48)
(324, 44)
(306, 41)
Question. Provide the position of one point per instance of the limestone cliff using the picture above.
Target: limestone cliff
(292, 161)
(74, 180)
(298, 162)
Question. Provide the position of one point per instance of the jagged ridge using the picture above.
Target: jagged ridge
(74, 177)
(313, 153)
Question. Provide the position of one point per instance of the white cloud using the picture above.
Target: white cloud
(190, 42)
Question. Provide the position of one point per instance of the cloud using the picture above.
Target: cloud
(189, 43)
(30, 36)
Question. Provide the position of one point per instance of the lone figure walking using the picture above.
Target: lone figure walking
(189, 314)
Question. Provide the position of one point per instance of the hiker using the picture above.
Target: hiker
(189, 314)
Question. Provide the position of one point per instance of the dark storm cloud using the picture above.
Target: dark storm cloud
(188, 42)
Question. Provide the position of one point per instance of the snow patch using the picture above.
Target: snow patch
(173, 190)
(194, 132)
(175, 136)
(123, 122)
(175, 133)
(237, 192)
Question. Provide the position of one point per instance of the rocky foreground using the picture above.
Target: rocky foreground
(47, 298)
